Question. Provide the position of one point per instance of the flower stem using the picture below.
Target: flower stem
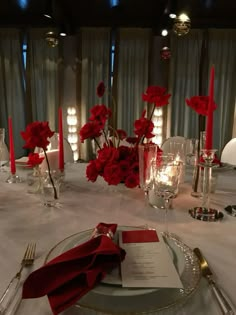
(150, 119)
(97, 143)
(50, 175)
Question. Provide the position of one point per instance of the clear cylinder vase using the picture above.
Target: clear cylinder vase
(50, 189)
(34, 181)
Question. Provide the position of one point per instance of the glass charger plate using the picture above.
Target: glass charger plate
(109, 297)
(223, 168)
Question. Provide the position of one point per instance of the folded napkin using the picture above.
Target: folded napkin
(66, 278)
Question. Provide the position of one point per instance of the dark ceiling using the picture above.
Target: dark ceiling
(128, 13)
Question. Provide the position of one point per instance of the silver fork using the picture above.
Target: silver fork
(12, 288)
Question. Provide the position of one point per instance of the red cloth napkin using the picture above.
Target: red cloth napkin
(68, 277)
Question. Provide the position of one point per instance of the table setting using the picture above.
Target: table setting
(99, 245)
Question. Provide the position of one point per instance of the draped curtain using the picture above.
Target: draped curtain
(131, 77)
(95, 59)
(42, 79)
(184, 82)
(222, 50)
(187, 79)
(12, 85)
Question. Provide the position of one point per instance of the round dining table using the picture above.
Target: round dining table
(83, 204)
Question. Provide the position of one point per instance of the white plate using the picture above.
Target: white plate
(107, 297)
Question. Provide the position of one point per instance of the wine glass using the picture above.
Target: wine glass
(166, 179)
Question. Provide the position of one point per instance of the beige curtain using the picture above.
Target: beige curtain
(184, 82)
(222, 53)
(12, 86)
(95, 59)
(131, 78)
(43, 78)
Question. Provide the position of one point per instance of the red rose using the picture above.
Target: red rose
(156, 94)
(34, 159)
(132, 180)
(101, 89)
(199, 104)
(108, 154)
(100, 114)
(144, 127)
(90, 130)
(91, 171)
(112, 174)
(124, 168)
(122, 134)
(132, 140)
(36, 135)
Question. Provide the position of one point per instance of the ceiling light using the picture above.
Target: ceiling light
(63, 34)
(48, 12)
(164, 32)
(172, 15)
(182, 24)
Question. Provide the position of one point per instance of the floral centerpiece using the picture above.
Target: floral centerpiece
(37, 135)
(117, 158)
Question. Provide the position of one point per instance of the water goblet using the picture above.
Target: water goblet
(166, 181)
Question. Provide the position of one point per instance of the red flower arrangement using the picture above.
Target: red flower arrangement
(199, 104)
(114, 162)
(36, 135)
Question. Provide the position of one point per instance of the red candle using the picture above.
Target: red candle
(209, 126)
(61, 146)
(11, 146)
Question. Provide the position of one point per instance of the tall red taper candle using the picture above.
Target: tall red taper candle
(61, 146)
(11, 145)
(209, 126)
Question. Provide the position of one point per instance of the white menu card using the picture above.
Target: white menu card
(148, 262)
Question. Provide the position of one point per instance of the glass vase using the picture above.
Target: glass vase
(50, 187)
(34, 181)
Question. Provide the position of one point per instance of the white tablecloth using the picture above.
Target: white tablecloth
(84, 204)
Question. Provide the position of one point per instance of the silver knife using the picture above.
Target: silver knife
(207, 273)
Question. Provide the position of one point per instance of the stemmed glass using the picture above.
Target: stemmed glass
(166, 180)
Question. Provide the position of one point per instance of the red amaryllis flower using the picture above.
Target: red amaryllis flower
(108, 154)
(156, 95)
(132, 180)
(100, 113)
(90, 130)
(121, 134)
(199, 104)
(36, 135)
(112, 174)
(34, 159)
(92, 171)
(144, 127)
(101, 89)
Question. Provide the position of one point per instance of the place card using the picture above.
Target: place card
(148, 261)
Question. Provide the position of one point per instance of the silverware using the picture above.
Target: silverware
(207, 273)
(13, 286)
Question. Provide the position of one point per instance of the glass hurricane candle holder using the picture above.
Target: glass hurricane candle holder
(205, 212)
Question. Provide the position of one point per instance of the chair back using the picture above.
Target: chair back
(228, 154)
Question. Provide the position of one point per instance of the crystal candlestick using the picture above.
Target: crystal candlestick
(205, 212)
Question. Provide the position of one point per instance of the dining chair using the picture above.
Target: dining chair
(228, 154)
